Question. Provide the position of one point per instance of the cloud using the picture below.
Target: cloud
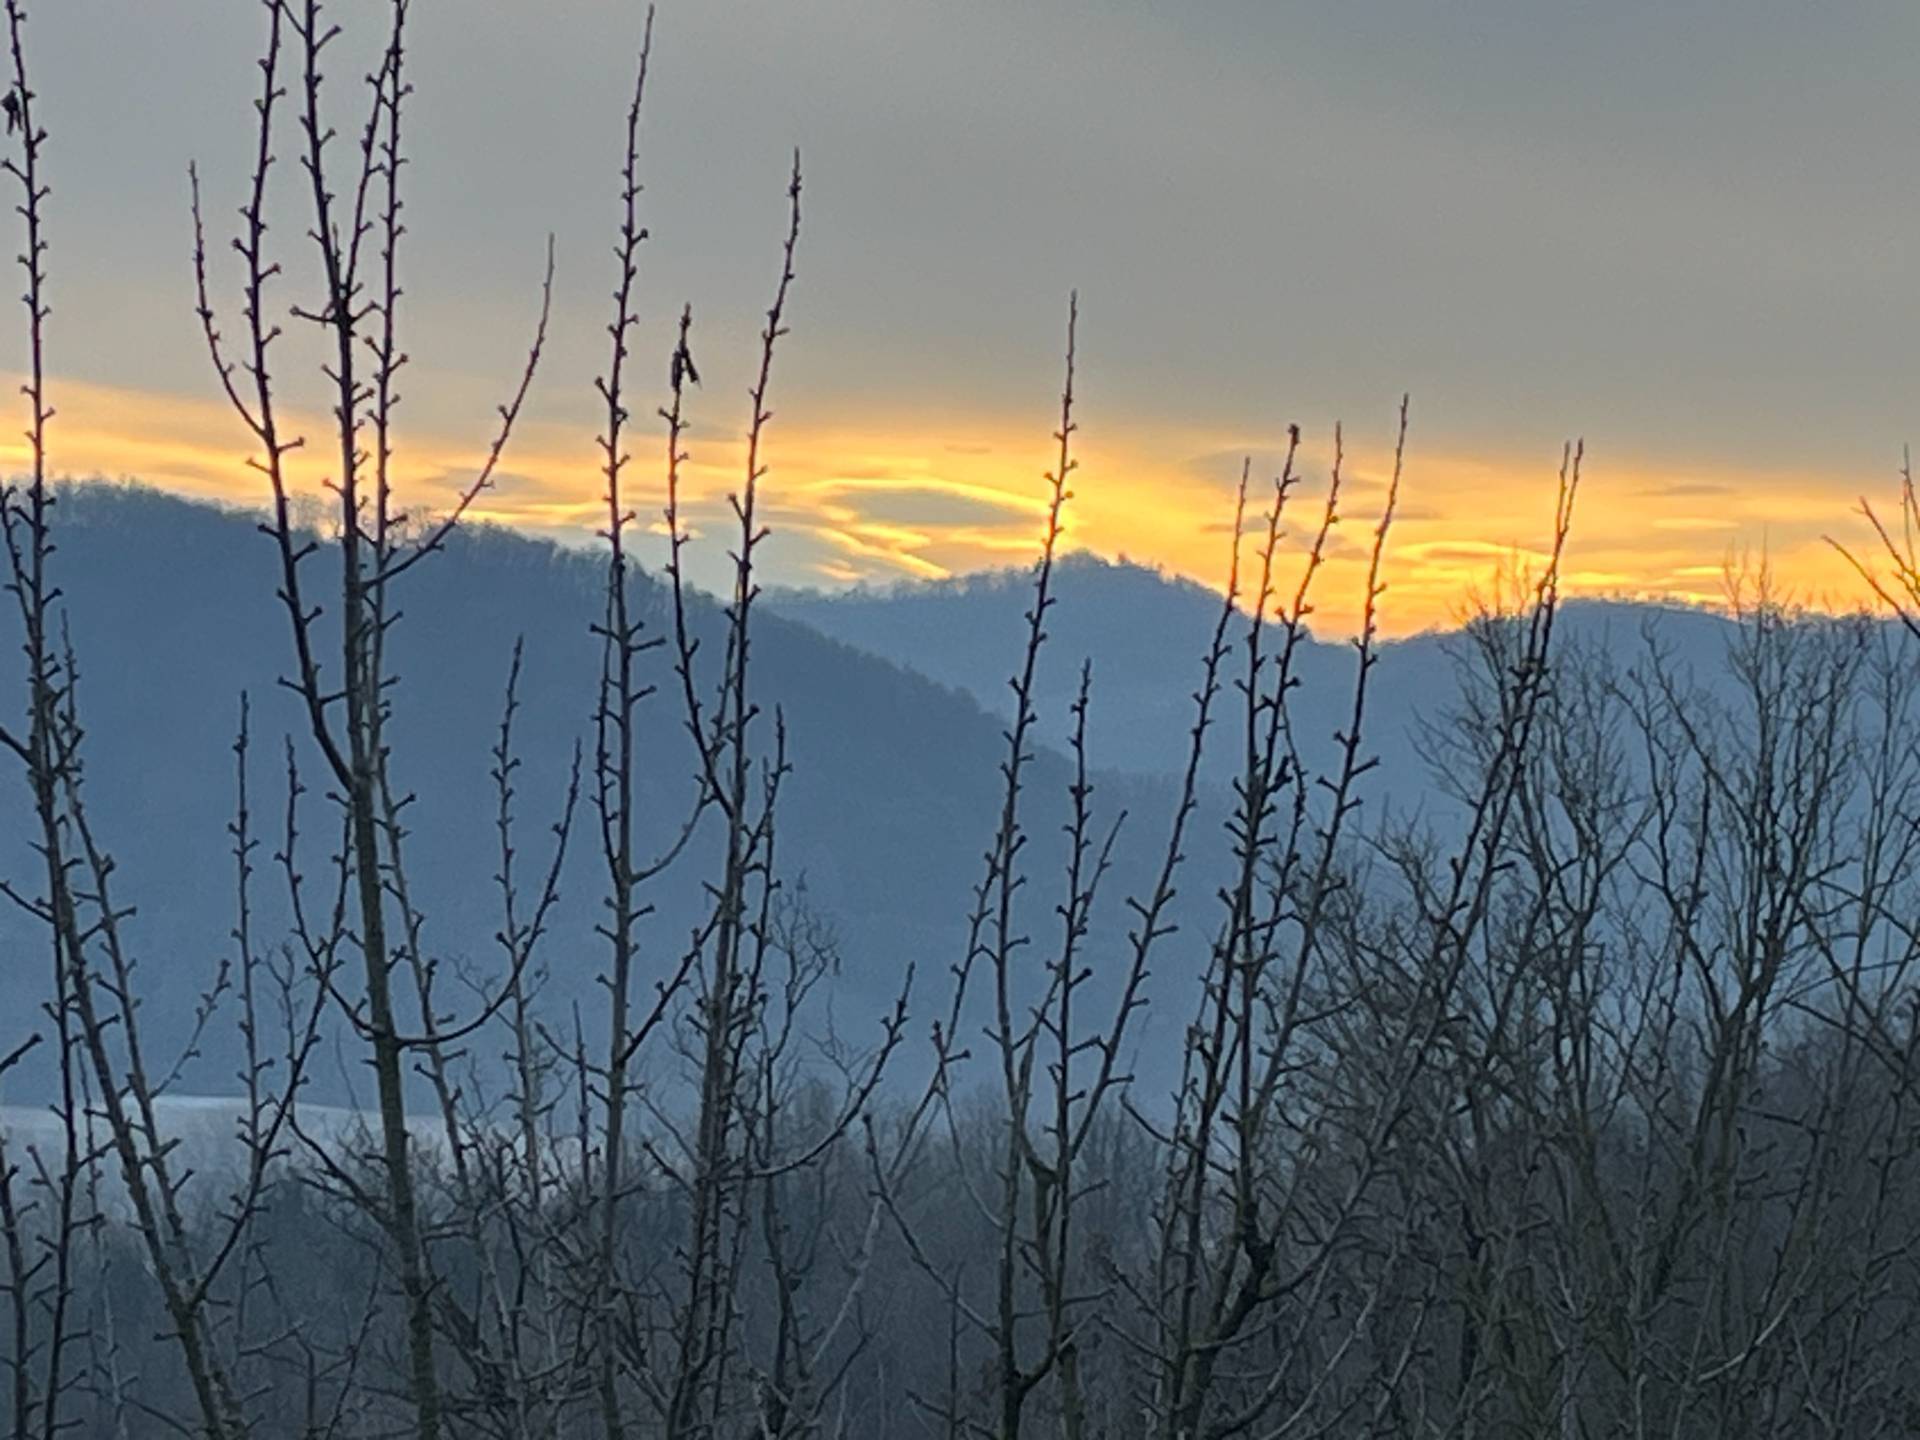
(1222, 467)
(920, 501)
(1694, 522)
(880, 501)
(1482, 553)
(1684, 490)
(925, 346)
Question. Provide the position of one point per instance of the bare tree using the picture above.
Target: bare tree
(353, 232)
(105, 1067)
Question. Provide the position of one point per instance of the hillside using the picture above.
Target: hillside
(883, 819)
(1145, 631)
(889, 699)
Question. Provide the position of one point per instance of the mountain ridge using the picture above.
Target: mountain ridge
(896, 733)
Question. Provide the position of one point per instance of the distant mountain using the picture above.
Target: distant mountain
(1146, 632)
(890, 805)
(894, 703)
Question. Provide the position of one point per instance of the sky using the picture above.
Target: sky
(1680, 229)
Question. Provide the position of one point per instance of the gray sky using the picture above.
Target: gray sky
(1681, 229)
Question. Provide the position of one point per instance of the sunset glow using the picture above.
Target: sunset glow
(854, 504)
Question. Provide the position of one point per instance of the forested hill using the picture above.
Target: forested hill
(892, 798)
(1144, 630)
(882, 822)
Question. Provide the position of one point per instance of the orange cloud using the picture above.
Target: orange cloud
(907, 496)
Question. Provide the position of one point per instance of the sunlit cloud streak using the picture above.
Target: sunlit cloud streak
(875, 502)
